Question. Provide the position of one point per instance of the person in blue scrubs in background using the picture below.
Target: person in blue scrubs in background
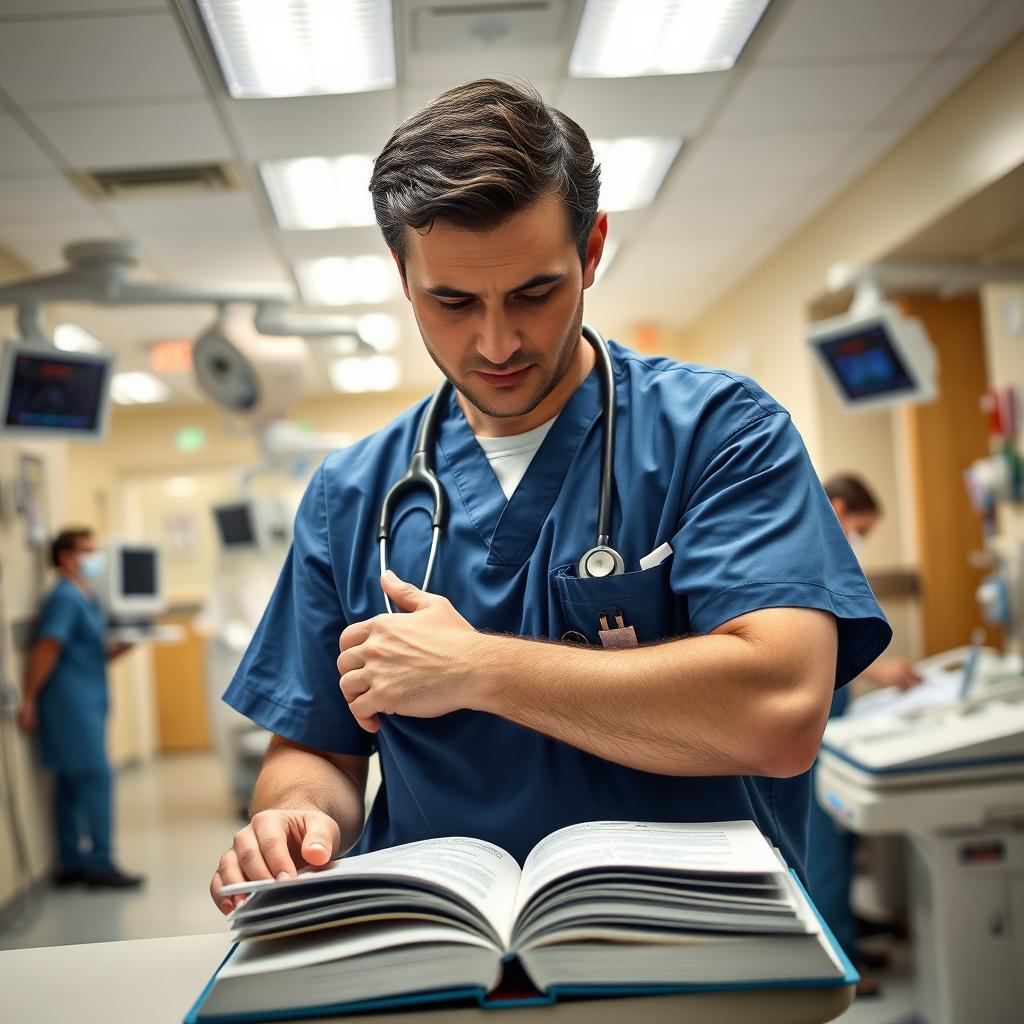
(66, 701)
(488, 721)
(830, 847)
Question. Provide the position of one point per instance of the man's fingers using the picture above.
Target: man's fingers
(354, 635)
(354, 684)
(250, 859)
(273, 844)
(322, 841)
(350, 660)
(228, 873)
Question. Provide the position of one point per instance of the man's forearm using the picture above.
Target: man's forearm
(41, 662)
(708, 705)
(293, 778)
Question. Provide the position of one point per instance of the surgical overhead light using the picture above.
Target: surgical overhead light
(344, 281)
(269, 48)
(318, 192)
(356, 374)
(624, 39)
(633, 169)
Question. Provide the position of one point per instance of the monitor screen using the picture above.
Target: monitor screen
(866, 364)
(52, 392)
(138, 572)
(234, 522)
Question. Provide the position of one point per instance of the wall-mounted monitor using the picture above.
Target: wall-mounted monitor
(48, 393)
(875, 358)
(131, 586)
(258, 524)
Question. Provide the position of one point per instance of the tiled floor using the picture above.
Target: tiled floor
(174, 820)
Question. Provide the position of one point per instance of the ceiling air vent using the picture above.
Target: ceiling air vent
(466, 26)
(139, 182)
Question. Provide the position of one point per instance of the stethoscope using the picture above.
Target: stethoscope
(599, 561)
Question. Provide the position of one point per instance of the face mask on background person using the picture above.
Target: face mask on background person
(91, 565)
(856, 541)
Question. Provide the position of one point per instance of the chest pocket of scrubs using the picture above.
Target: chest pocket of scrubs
(644, 599)
(409, 546)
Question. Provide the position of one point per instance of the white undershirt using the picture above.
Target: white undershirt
(510, 456)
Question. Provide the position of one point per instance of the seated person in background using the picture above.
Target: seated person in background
(66, 701)
(830, 847)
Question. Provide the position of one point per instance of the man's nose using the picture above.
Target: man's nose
(499, 340)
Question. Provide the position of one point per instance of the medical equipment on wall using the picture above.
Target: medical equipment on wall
(946, 769)
(130, 587)
(49, 394)
(874, 357)
(599, 561)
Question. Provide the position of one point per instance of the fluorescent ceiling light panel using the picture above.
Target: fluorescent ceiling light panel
(136, 387)
(358, 373)
(632, 169)
(341, 281)
(317, 192)
(301, 47)
(624, 38)
(71, 338)
(379, 330)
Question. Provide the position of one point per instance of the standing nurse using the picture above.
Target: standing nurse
(728, 642)
(66, 700)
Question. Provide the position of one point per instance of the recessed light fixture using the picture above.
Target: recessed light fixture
(269, 48)
(346, 281)
(71, 338)
(317, 192)
(624, 38)
(633, 168)
(364, 373)
(136, 387)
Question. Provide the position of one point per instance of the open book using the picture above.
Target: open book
(600, 908)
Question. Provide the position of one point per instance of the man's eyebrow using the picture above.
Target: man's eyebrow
(445, 291)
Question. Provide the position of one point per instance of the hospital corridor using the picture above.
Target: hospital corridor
(512, 510)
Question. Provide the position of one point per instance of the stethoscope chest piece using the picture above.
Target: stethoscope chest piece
(599, 562)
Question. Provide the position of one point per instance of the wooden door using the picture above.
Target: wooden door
(944, 438)
(182, 719)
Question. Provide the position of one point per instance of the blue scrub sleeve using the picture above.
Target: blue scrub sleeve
(288, 678)
(58, 616)
(759, 532)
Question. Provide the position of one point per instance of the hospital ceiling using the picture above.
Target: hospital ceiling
(822, 91)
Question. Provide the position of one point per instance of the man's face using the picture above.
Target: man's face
(73, 559)
(500, 311)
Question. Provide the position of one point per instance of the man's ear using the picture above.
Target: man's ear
(839, 506)
(401, 271)
(595, 248)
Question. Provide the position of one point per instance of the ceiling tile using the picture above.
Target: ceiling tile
(135, 136)
(315, 125)
(19, 152)
(180, 213)
(658, 105)
(1002, 23)
(812, 98)
(311, 245)
(71, 8)
(40, 243)
(215, 253)
(40, 197)
(817, 30)
(81, 60)
(941, 80)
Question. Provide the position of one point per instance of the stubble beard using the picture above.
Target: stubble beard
(479, 402)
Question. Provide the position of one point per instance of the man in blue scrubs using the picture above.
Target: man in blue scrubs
(488, 722)
(66, 700)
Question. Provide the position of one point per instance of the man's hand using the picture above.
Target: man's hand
(897, 672)
(28, 715)
(420, 664)
(273, 845)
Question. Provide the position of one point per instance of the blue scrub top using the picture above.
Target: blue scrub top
(74, 702)
(704, 460)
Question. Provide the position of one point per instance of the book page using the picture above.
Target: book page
(481, 873)
(722, 847)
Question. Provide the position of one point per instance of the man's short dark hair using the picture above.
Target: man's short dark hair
(68, 540)
(477, 154)
(852, 490)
